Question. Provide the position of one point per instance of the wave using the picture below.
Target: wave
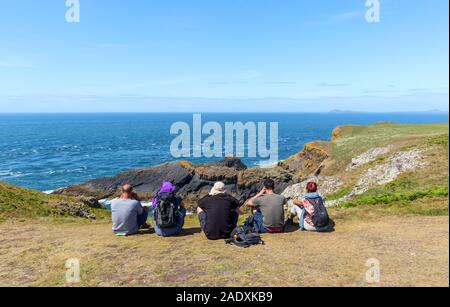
(68, 171)
(266, 164)
(11, 174)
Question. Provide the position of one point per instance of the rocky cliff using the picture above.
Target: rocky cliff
(192, 181)
(195, 181)
(357, 159)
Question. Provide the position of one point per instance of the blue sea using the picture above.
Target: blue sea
(50, 151)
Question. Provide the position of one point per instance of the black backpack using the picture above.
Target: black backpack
(246, 236)
(165, 211)
(321, 218)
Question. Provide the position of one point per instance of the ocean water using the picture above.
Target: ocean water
(50, 151)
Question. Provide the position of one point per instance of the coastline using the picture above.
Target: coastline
(77, 148)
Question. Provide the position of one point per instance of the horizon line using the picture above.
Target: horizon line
(437, 112)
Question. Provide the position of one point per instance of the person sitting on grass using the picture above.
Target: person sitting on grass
(169, 211)
(269, 209)
(218, 213)
(128, 215)
(311, 211)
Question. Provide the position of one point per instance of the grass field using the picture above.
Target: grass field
(413, 251)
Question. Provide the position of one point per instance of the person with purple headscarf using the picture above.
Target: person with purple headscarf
(168, 191)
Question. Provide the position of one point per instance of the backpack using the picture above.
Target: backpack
(165, 211)
(247, 235)
(252, 224)
(320, 219)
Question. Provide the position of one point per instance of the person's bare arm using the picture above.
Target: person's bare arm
(298, 202)
(250, 203)
(135, 197)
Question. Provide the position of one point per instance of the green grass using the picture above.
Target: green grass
(20, 203)
(339, 194)
(423, 207)
(441, 140)
(422, 192)
(389, 197)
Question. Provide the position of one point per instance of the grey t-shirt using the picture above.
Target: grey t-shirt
(272, 207)
(124, 215)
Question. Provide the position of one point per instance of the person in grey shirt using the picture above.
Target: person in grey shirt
(128, 215)
(269, 209)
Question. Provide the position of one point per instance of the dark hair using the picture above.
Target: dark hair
(311, 187)
(269, 184)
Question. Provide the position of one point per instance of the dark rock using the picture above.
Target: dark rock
(231, 162)
(195, 181)
(144, 181)
(91, 202)
(74, 209)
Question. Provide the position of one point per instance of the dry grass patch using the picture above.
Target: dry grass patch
(34, 253)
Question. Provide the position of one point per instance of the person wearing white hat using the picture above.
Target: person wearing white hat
(218, 213)
(218, 188)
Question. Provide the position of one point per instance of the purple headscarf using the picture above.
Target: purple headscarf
(167, 187)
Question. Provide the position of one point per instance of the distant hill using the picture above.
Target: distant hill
(345, 111)
(434, 111)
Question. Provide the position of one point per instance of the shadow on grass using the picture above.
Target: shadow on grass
(190, 232)
(291, 227)
(184, 233)
(145, 232)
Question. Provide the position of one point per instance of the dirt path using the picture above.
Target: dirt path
(412, 251)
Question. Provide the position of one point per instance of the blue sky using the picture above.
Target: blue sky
(223, 55)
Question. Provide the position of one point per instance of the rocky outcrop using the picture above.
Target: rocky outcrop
(308, 161)
(91, 202)
(328, 185)
(397, 164)
(192, 181)
(369, 156)
(231, 162)
(145, 181)
(337, 133)
(77, 209)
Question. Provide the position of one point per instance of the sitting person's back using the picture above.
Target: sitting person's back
(127, 213)
(311, 211)
(176, 212)
(218, 213)
(270, 208)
